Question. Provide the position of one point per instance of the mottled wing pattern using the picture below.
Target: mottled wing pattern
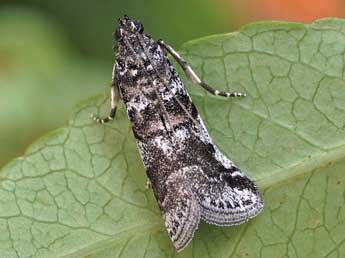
(190, 177)
(226, 195)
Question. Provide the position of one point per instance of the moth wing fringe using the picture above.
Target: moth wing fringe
(232, 199)
(230, 218)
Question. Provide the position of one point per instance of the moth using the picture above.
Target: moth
(190, 177)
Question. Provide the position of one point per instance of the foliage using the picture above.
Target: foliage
(80, 190)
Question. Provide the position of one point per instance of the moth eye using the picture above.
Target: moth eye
(139, 26)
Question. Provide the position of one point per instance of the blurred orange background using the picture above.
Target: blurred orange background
(287, 10)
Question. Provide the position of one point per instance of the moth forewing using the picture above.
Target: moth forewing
(190, 177)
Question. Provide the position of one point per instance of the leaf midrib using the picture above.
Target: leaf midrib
(281, 176)
(323, 158)
(316, 161)
(103, 244)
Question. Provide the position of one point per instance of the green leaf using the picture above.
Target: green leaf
(80, 191)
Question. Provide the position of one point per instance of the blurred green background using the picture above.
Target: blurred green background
(55, 53)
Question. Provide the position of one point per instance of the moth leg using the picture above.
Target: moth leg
(115, 96)
(148, 184)
(192, 76)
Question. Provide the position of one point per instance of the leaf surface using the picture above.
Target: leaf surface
(80, 191)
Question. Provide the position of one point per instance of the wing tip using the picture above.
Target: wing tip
(181, 231)
(183, 241)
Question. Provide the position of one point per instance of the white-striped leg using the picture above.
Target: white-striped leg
(192, 75)
(148, 184)
(115, 96)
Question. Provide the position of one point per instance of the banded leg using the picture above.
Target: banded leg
(192, 75)
(148, 184)
(114, 92)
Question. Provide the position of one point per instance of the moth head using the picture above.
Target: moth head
(127, 27)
